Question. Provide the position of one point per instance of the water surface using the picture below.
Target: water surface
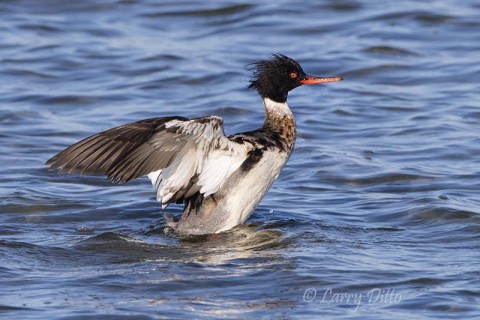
(376, 215)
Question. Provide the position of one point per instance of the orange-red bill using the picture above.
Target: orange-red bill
(313, 80)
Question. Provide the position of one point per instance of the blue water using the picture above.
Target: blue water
(376, 215)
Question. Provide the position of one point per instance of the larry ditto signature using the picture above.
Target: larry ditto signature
(356, 299)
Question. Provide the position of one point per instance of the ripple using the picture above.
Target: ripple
(35, 75)
(388, 50)
(444, 214)
(231, 111)
(432, 18)
(218, 12)
(5, 308)
(345, 5)
(384, 178)
(40, 27)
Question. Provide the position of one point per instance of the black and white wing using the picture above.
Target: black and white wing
(182, 157)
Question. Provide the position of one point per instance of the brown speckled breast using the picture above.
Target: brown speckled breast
(283, 124)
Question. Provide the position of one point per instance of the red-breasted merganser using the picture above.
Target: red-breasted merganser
(220, 179)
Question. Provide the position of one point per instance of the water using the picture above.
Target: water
(376, 216)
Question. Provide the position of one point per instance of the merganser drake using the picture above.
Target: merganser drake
(220, 179)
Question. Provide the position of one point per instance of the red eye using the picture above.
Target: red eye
(293, 75)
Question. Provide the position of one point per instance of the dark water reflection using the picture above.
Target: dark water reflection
(376, 215)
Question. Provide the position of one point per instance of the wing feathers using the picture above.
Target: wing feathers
(182, 157)
(88, 152)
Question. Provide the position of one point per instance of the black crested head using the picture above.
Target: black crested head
(275, 77)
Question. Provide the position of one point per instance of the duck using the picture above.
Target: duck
(220, 179)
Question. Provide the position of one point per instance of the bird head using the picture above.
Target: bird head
(275, 77)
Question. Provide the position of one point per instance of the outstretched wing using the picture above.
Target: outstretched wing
(182, 157)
